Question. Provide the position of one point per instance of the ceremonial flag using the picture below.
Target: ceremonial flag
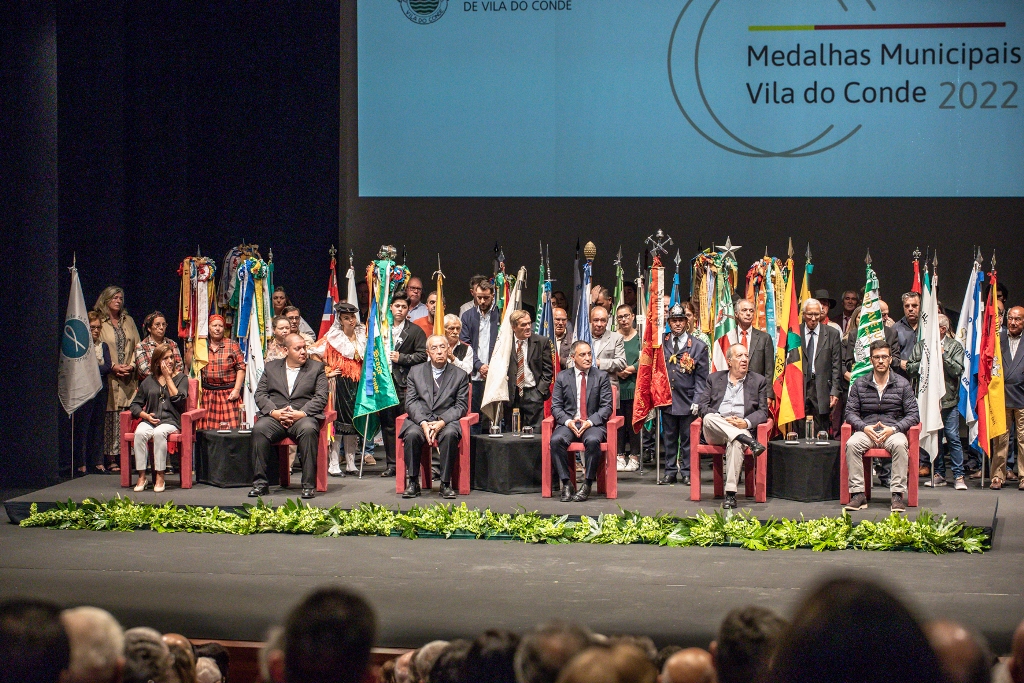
(332, 298)
(805, 288)
(652, 386)
(583, 309)
(789, 365)
(496, 386)
(931, 385)
(870, 327)
(352, 296)
(969, 334)
(541, 281)
(618, 298)
(576, 284)
(725, 324)
(916, 285)
(78, 375)
(376, 389)
(253, 371)
(439, 306)
(991, 409)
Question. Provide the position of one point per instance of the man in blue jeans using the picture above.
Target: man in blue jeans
(952, 367)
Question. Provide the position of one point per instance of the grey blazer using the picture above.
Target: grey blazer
(609, 355)
(309, 394)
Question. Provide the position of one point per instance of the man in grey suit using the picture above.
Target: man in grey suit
(757, 342)
(436, 397)
(580, 420)
(608, 348)
(733, 405)
(291, 397)
(822, 363)
(1013, 386)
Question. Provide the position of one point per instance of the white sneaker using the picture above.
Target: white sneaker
(634, 464)
(960, 484)
(620, 463)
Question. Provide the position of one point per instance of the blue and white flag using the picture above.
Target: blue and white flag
(583, 311)
(969, 335)
(78, 376)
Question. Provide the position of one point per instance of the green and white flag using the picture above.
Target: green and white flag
(619, 297)
(725, 324)
(870, 327)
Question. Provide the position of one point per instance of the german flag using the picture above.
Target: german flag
(789, 365)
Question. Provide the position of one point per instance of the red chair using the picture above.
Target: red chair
(284, 467)
(755, 470)
(913, 457)
(460, 468)
(185, 437)
(607, 476)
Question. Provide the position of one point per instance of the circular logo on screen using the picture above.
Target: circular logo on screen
(424, 11)
(75, 341)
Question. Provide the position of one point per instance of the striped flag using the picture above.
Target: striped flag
(332, 298)
(969, 335)
(991, 400)
(789, 358)
(652, 386)
(870, 327)
(725, 324)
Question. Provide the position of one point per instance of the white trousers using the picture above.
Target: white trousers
(144, 433)
(718, 432)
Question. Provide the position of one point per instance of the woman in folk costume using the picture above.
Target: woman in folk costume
(156, 325)
(276, 346)
(121, 337)
(341, 351)
(222, 379)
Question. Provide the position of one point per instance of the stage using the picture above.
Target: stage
(231, 587)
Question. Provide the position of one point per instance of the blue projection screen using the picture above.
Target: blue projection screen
(620, 98)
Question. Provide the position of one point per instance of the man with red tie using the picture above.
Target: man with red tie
(758, 344)
(581, 404)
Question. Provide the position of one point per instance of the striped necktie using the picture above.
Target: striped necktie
(521, 374)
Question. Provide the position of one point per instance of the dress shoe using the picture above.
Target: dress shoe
(388, 472)
(686, 480)
(412, 489)
(259, 490)
(568, 491)
(447, 491)
(757, 448)
(730, 501)
(436, 473)
(307, 492)
(583, 493)
(142, 485)
(339, 473)
(648, 456)
(667, 479)
(368, 460)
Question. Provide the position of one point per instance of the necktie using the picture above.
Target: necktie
(675, 345)
(810, 351)
(583, 396)
(745, 340)
(521, 374)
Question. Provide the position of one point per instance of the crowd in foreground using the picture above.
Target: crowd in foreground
(845, 630)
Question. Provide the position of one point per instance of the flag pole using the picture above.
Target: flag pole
(362, 457)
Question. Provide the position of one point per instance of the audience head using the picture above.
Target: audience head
(294, 317)
(963, 655)
(147, 657)
(450, 666)
(474, 281)
(677, 319)
(664, 654)
(423, 659)
(282, 327)
(328, 637)
(880, 354)
(399, 306)
(452, 329)
(884, 308)
(558, 300)
(387, 672)
(216, 652)
(844, 629)
(598, 321)
(561, 320)
(271, 656)
(811, 311)
(414, 290)
(207, 671)
(280, 300)
(297, 352)
(33, 642)
(216, 326)
(491, 657)
(346, 317)
(621, 663)
(522, 325)
(746, 644)
(404, 672)
(110, 302)
(600, 296)
(544, 652)
(184, 657)
(629, 294)
(1015, 666)
(691, 314)
(692, 665)
(97, 646)
(156, 325)
(944, 323)
(483, 295)
(581, 355)
(437, 349)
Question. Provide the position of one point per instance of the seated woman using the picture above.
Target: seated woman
(88, 432)
(222, 379)
(159, 401)
(276, 348)
(156, 325)
(460, 353)
(341, 351)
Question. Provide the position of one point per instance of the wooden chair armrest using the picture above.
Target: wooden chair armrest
(470, 419)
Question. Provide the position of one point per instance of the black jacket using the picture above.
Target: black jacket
(538, 359)
(827, 364)
(157, 401)
(599, 397)
(308, 395)
(897, 406)
(412, 350)
(425, 403)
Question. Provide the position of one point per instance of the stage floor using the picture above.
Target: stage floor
(227, 587)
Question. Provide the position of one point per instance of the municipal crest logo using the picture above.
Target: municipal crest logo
(424, 11)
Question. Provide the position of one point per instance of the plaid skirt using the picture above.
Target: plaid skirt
(218, 409)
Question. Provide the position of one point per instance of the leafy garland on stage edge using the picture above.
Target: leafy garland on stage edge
(928, 533)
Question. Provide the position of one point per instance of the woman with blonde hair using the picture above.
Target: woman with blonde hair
(119, 333)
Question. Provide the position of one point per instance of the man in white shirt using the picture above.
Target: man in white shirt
(414, 290)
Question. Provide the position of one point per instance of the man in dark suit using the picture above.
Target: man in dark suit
(410, 349)
(480, 331)
(757, 342)
(563, 336)
(822, 364)
(1013, 387)
(529, 371)
(437, 396)
(291, 397)
(580, 420)
(686, 358)
(734, 404)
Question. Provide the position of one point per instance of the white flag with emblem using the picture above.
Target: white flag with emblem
(78, 376)
(931, 385)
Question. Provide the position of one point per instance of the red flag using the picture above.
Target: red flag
(917, 277)
(332, 298)
(989, 339)
(789, 374)
(652, 387)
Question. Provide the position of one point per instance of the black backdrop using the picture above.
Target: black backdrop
(150, 128)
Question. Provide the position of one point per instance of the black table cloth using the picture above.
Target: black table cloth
(510, 464)
(802, 471)
(222, 459)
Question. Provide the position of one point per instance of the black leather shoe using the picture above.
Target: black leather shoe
(436, 472)
(412, 489)
(686, 480)
(730, 501)
(259, 490)
(648, 456)
(755, 447)
(388, 472)
(447, 491)
(308, 492)
(568, 491)
(667, 479)
(583, 493)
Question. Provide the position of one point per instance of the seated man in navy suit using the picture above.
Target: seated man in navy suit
(436, 397)
(734, 404)
(577, 420)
